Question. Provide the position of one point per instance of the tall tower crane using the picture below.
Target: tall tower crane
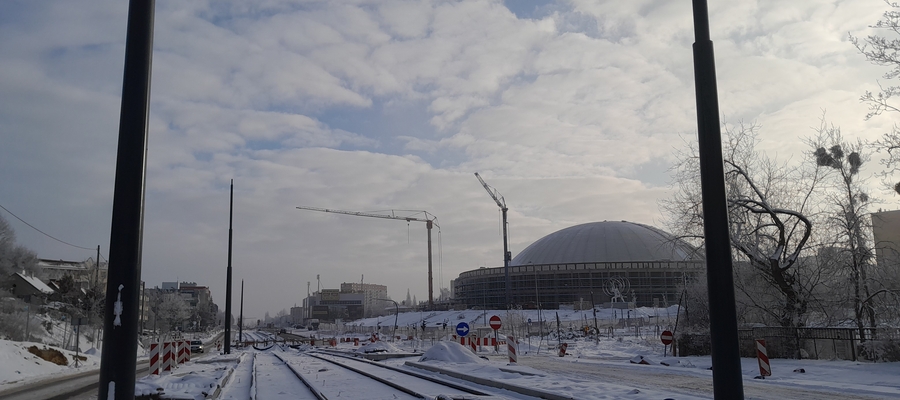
(507, 256)
(429, 222)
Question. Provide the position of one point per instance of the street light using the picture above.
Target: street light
(396, 314)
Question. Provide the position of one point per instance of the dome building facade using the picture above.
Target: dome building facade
(618, 261)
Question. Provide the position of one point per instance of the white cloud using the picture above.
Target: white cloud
(304, 103)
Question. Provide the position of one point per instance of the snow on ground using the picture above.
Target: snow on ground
(18, 366)
(480, 318)
(845, 379)
(539, 366)
(191, 380)
(450, 352)
(378, 347)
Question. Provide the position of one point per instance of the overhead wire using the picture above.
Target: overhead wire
(45, 233)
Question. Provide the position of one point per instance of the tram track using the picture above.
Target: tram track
(280, 374)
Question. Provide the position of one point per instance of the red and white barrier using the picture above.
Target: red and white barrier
(472, 343)
(179, 352)
(356, 341)
(764, 368)
(512, 350)
(168, 357)
(562, 348)
(154, 358)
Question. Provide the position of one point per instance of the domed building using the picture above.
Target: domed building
(619, 261)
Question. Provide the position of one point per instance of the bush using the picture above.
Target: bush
(694, 344)
(881, 350)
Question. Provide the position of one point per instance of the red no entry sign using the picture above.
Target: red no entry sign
(495, 322)
(666, 337)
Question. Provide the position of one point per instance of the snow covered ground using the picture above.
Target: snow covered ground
(575, 375)
(591, 370)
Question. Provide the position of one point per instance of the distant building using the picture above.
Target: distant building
(330, 305)
(298, 315)
(629, 264)
(85, 273)
(373, 303)
(197, 297)
(886, 233)
(29, 288)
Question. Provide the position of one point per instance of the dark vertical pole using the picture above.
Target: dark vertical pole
(119, 356)
(97, 271)
(141, 324)
(726, 362)
(241, 318)
(506, 258)
(596, 327)
(428, 225)
(228, 278)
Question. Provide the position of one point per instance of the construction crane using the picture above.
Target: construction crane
(507, 256)
(429, 222)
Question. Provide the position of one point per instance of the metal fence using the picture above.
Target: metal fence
(812, 343)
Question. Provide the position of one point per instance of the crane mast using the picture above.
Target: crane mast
(507, 256)
(429, 222)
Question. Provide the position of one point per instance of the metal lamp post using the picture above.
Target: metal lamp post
(396, 314)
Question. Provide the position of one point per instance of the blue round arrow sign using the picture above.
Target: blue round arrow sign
(462, 329)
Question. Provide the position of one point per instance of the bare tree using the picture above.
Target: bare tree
(769, 229)
(843, 160)
(172, 311)
(14, 258)
(879, 49)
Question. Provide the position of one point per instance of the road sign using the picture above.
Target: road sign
(666, 338)
(495, 322)
(462, 329)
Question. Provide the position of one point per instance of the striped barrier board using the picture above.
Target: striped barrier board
(167, 356)
(472, 342)
(764, 368)
(182, 351)
(512, 350)
(154, 358)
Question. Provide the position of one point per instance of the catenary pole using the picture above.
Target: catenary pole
(228, 275)
(726, 362)
(241, 318)
(119, 356)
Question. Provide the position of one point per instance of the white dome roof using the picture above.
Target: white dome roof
(607, 241)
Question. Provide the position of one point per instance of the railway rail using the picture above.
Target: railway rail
(281, 374)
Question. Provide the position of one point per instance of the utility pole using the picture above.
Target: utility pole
(228, 278)
(143, 289)
(119, 351)
(596, 328)
(241, 320)
(726, 361)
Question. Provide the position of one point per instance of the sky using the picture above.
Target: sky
(572, 110)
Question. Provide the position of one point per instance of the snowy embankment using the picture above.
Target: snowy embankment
(18, 366)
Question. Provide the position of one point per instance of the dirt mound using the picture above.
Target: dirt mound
(52, 355)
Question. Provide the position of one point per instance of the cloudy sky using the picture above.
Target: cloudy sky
(571, 109)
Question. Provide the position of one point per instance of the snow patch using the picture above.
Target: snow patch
(378, 347)
(450, 352)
